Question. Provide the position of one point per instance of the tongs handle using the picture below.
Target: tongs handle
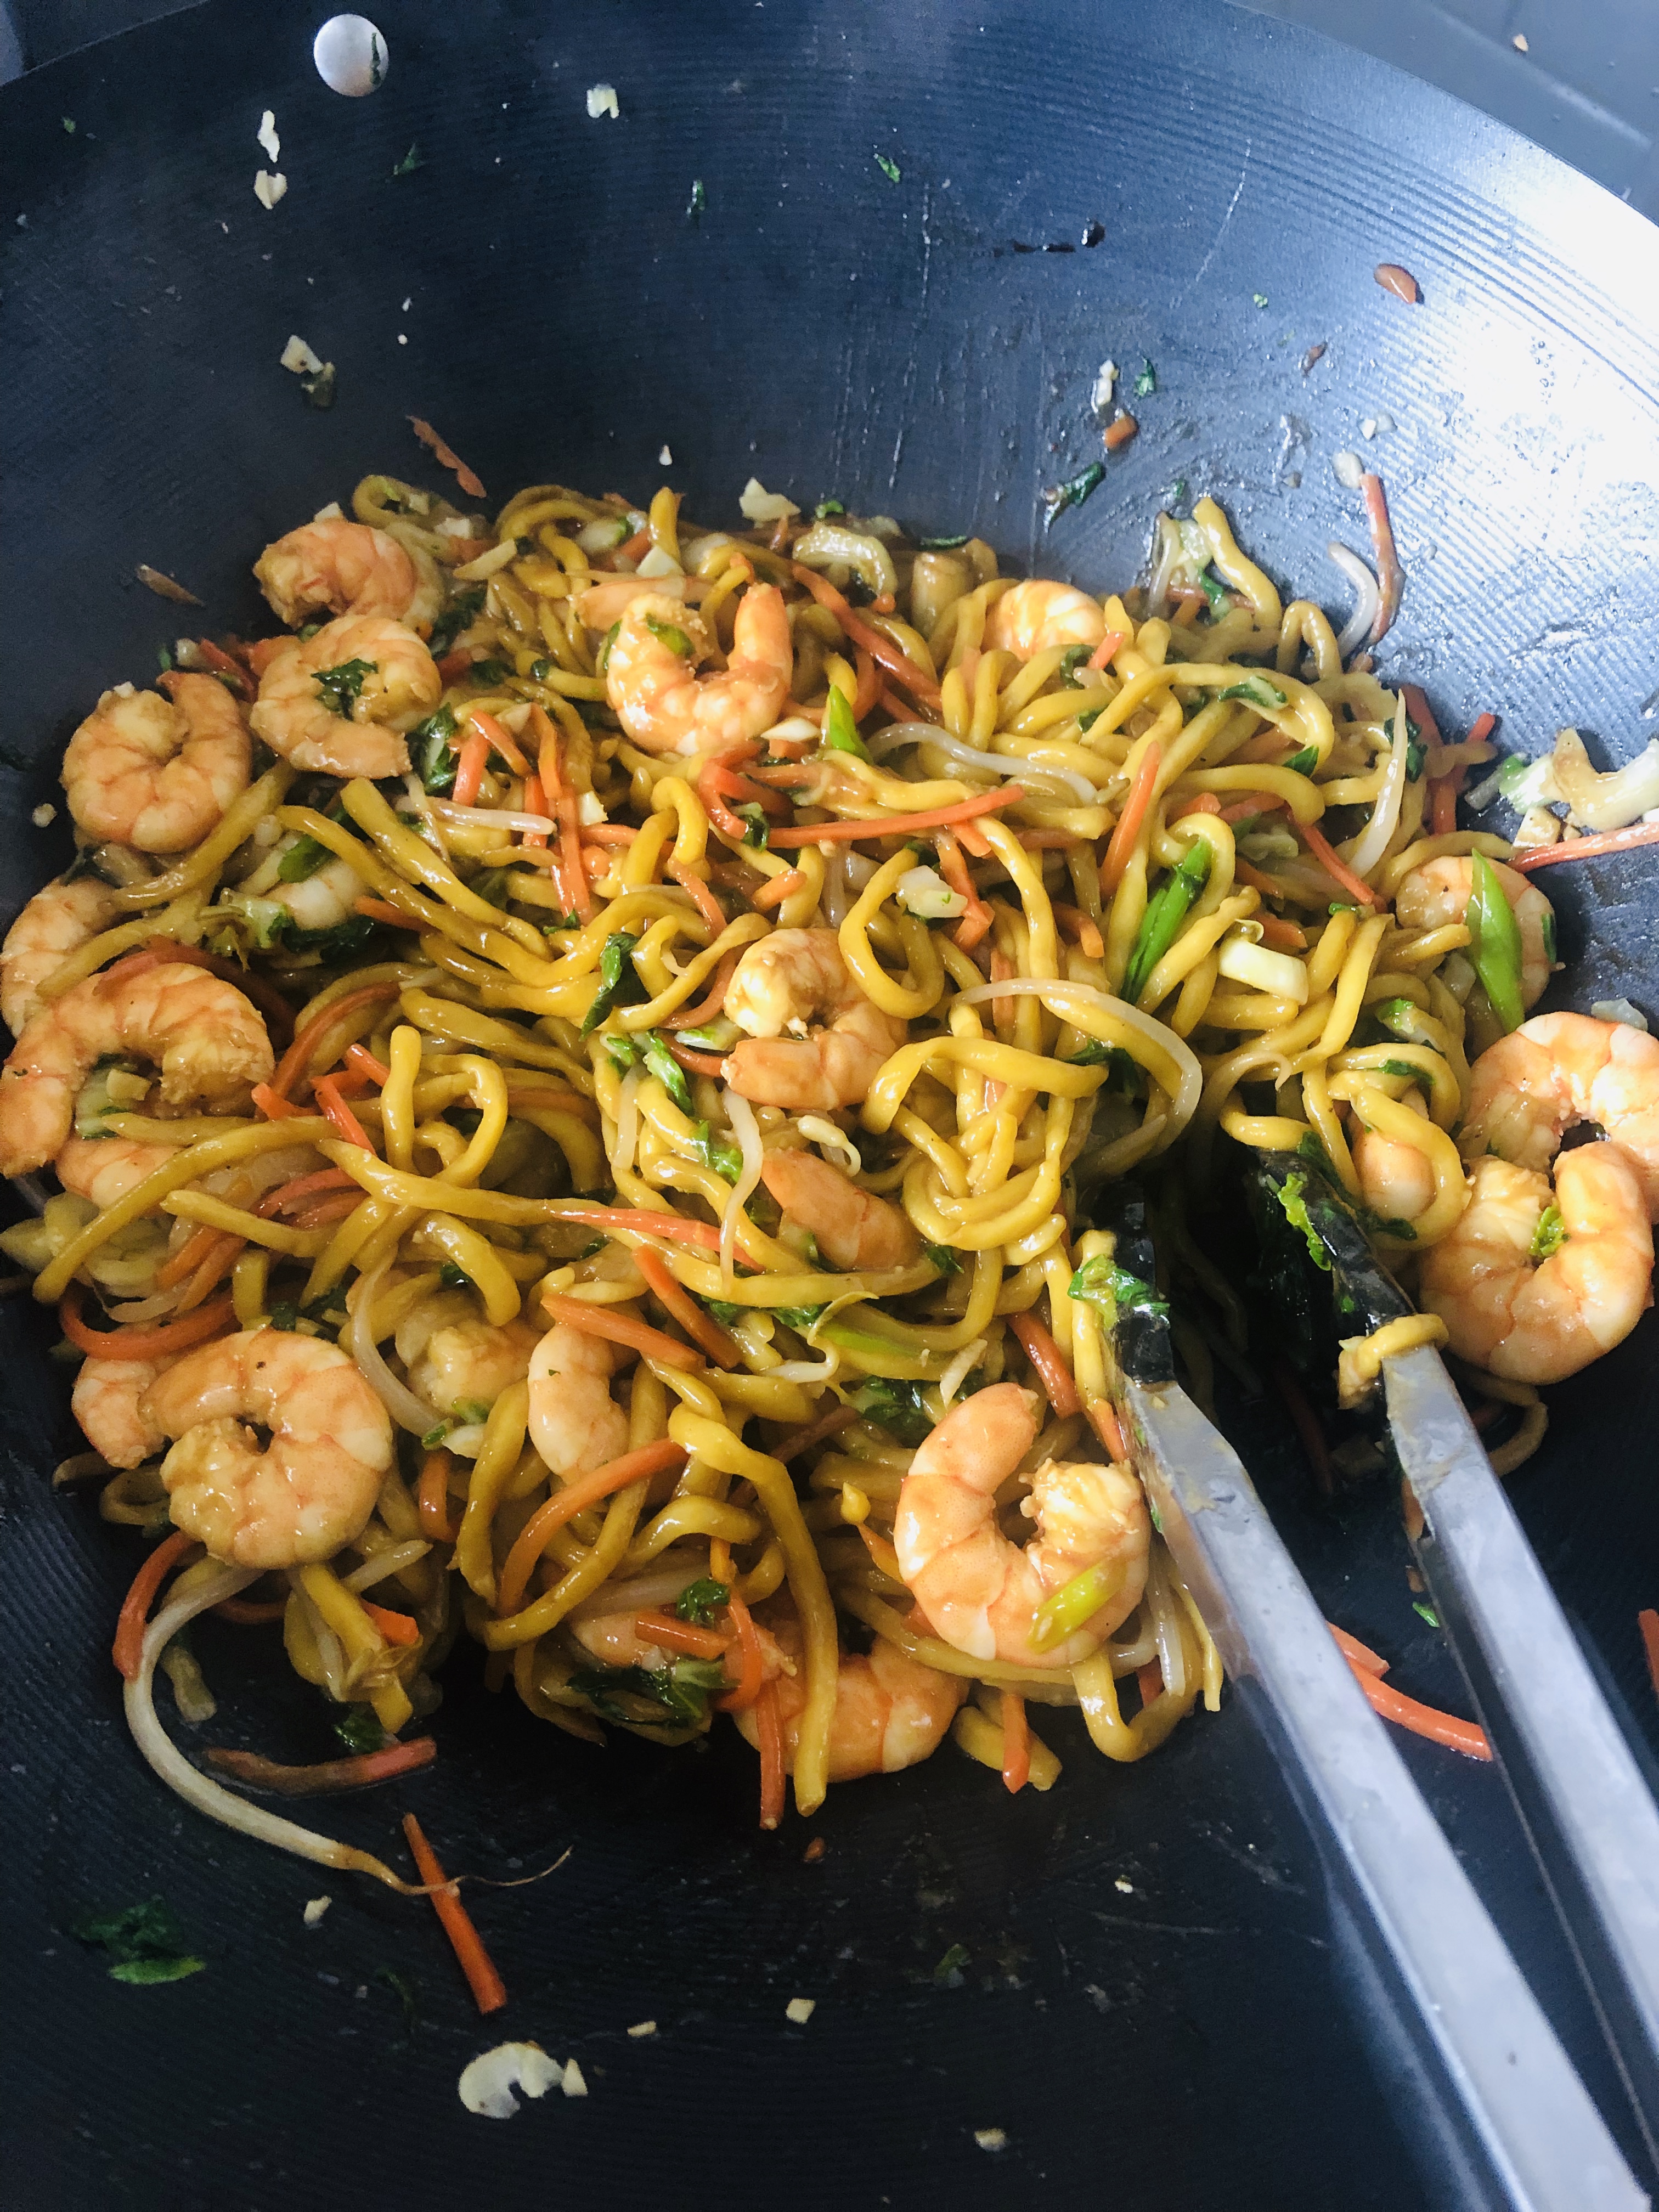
(1543, 2137)
(1591, 1817)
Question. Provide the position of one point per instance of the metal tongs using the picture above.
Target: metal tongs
(1530, 2119)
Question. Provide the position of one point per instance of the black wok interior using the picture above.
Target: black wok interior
(1154, 2003)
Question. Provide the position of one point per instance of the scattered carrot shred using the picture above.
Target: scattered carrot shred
(1648, 1622)
(396, 1627)
(701, 1327)
(1045, 1355)
(1586, 849)
(448, 458)
(1129, 822)
(1016, 1742)
(752, 1670)
(1390, 1704)
(1401, 282)
(489, 1989)
(768, 1728)
(128, 1648)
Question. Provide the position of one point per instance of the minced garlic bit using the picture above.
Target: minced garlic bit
(487, 2084)
(1101, 398)
(602, 100)
(664, 460)
(332, 512)
(759, 505)
(576, 2084)
(267, 136)
(269, 189)
(1519, 42)
(643, 2027)
(800, 2010)
(991, 2138)
(298, 357)
(44, 815)
(315, 1909)
(1127, 1888)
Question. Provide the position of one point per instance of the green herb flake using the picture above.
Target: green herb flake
(943, 544)
(666, 1069)
(670, 635)
(341, 688)
(725, 1159)
(1146, 382)
(1547, 930)
(888, 168)
(435, 1437)
(802, 1319)
(827, 507)
(948, 1972)
(1549, 1236)
(1214, 590)
(840, 732)
(145, 1942)
(452, 1278)
(412, 160)
(1292, 1199)
(1495, 942)
(615, 964)
(728, 1315)
(1109, 1290)
(898, 1407)
(1256, 691)
(610, 637)
(701, 1602)
(1425, 1612)
(697, 206)
(1072, 493)
(1070, 662)
(1304, 763)
(459, 614)
(69, 125)
(404, 1989)
(319, 386)
(1416, 754)
(754, 815)
(1259, 298)
(947, 1261)
(1165, 912)
(359, 1730)
(681, 1692)
(1401, 1067)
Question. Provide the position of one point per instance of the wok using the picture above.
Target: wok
(1161, 2000)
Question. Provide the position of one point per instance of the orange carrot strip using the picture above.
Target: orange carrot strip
(568, 873)
(469, 767)
(1275, 930)
(780, 888)
(636, 547)
(701, 897)
(328, 1775)
(489, 1990)
(752, 1667)
(1122, 431)
(1336, 868)
(1648, 1622)
(1149, 1681)
(1104, 1419)
(273, 1108)
(899, 825)
(448, 458)
(138, 1343)
(701, 1327)
(1422, 1720)
(433, 1497)
(1044, 1355)
(1442, 806)
(378, 910)
(1016, 1742)
(361, 1061)
(620, 1328)
(1206, 802)
(768, 1728)
(396, 1627)
(608, 833)
(875, 642)
(244, 1613)
(1129, 822)
(1586, 849)
(1389, 574)
(128, 1648)
(585, 1490)
(225, 663)
(688, 1017)
(454, 667)
(1257, 803)
(187, 1259)
(535, 802)
(499, 741)
(1357, 1654)
(1082, 928)
(678, 1636)
(327, 1092)
(293, 1061)
(1106, 652)
(211, 1273)
(674, 1226)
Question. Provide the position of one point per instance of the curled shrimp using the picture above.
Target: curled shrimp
(852, 1228)
(351, 570)
(103, 1170)
(308, 1491)
(890, 1712)
(979, 1591)
(1396, 1180)
(1527, 1090)
(1438, 893)
(575, 1423)
(104, 1401)
(796, 980)
(455, 1358)
(609, 600)
(651, 679)
(1538, 1319)
(56, 922)
(1036, 618)
(208, 1042)
(339, 702)
(154, 773)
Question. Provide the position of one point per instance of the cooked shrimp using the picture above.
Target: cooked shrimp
(104, 1401)
(663, 704)
(308, 1491)
(1395, 1179)
(609, 600)
(56, 922)
(320, 901)
(1527, 1090)
(105, 1169)
(1036, 618)
(207, 1040)
(979, 1591)
(575, 1423)
(890, 1710)
(156, 773)
(786, 981)
(454, 1358)
(852, 1228)
(1439, 892)
(340, 701)
(1539, 1321)
(351, 570)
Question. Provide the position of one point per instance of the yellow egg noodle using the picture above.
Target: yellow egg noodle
(576, 1074)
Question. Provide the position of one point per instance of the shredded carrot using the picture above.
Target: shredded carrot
(225, 663)
(293, 1061)
(1206, 802)
(244, 1613)
(396, 1627)
(1149, 1681)
(699, 1063)
(1648, 1622)
(1406, 1712)
(455, 666)
(899, 825)
(1336, 868)
(674, 1226)
(448, 458)
(138, 1343)
(768, 1728)
(187, 1259)
(881, 647)
(469, 767)
(128, 1649)
(1044, 1355)
(779, 889)
(1082, 928)
(1122, 431)
(1307, 1423)
(831, 1424)
(568, 874)
(583, 1491)
(701, 897)
(617, 1327)
(1586, 849)
(535, 802)
(678, 1636)
(1016, 1742)
(328, 1775)
(1107, 651)
(433, 1497)
(976, 916)
(489, 1990)
(500, 741)
(689, 1016)
(752, 1667)
(327, 1092)
(1357, 1654)
(1275, 930)
(273, 1108)
(1103, 1418)
(1389, 574)
(701, 1328)
(636, 547)
(1129, 822)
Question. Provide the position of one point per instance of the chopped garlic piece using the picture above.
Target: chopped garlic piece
(658, 563)
(332, 512)
(576, 2084)
(44, 815)
(1349, 468)
(664, 460)
(269, 189)
(315, 1909)
(800, 2010)
(267, 136)
(925, 893)
(643, 2027)
(488, 2083)
(759, 505)
(1101, 398)
(991, 2138)
(298, 356)
(590, 811)
(602, 100)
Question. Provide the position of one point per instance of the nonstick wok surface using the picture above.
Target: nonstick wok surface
(1156, 2003)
